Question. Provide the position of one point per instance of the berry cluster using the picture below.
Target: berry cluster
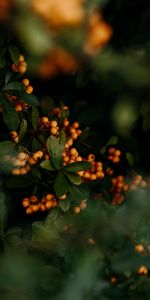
(137, 181)
(22, 162)
(29, 88)
(18, 104)
(52, 125)
(14, 136)
(33, 204)
(119, 186)
(21, 66)
(114, 155)
(99, 33)
(82, 206)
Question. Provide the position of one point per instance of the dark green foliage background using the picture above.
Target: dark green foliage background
(110, 97)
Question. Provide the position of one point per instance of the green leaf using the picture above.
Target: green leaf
(52, 217)
(62, 141)
(2, 60)
(14, 53)
(3, 213)
(64, 204)
(130, 158)
(35, 117)
(46, 164)
(76, 194)
(10, 116)
(64, 114)
(55, 151)
(73, 178)
(6, 147)
(47, 104)
(36, 145)
(112, 141)
(61, 185)
(15, 85)
(27, 98)
(23, 129)
(77, 166)
(20, 181)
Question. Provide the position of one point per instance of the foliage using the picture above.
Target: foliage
(74, 151)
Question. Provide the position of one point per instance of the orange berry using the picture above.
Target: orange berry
(133, 187)
(65, 123)
(120, 178)
(65, 107)
(23, 171)
(22, 69)
(113, 280)
(42, 207)
(99, 174)
(26, 202)
(49, 196)
(63, 197)
(110, 157)
(91, 157)
(72, 160)
(138, 177)
(125, 187)
(143, 184)
(75, 125)
(79, 131)
(29, 210)
(117, 153)
(93, 177)
(16, 163)
(116, 159)
(72, 130)
(143, 270)
(66, 159)
(33, 199)
(44, 119)
(26, 81)
(74, 136)
(78, 158)
(86, 175)
(35, 207)
(73, 152)
(21, 58)
(37, 155)
(15, 68)
(80, 173)
(32, 161)
(29, 89)
(16, 171)
(49, 204)
(53, 124)
(111, 150)
(83, 204)
(21, 156)
(13, 134)
(18, 107)
(91, 241)
(139, 248)
(53, 131)
(70, 142)
(76, 209)
(23, 63)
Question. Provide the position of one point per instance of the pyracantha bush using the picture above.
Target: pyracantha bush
(40, 153)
